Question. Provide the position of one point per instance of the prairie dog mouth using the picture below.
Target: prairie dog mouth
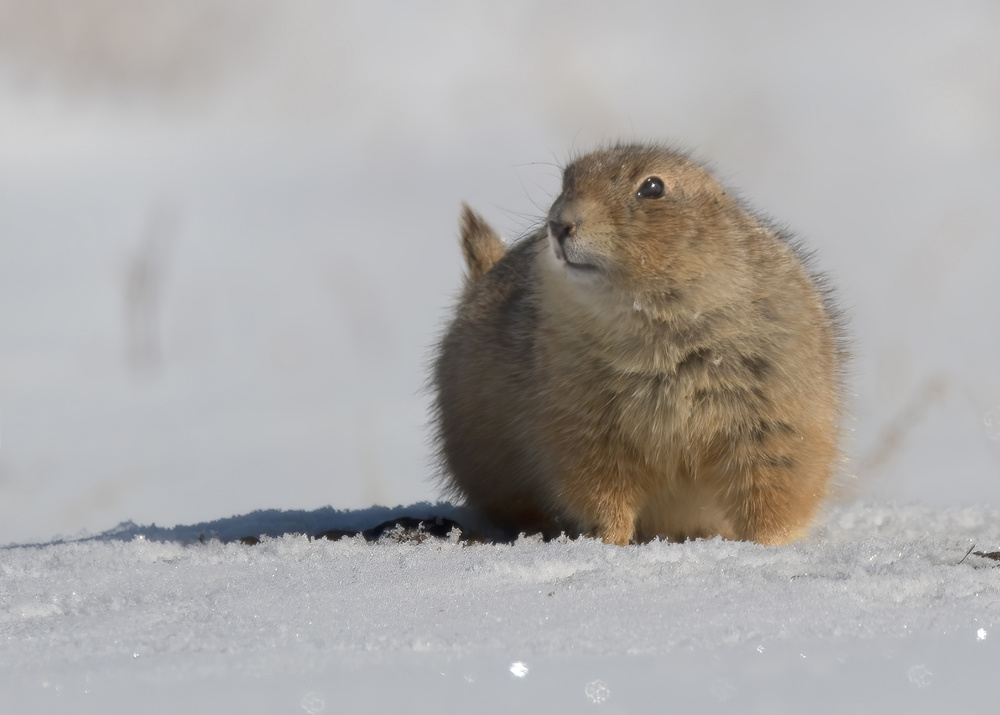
(569, 258)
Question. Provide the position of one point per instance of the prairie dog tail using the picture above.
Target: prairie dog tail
(481, 246)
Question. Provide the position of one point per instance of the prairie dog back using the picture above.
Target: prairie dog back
(654, 360)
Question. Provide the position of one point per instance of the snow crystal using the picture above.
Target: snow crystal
(597, 691)
(518, 669)
(920, 676)
(313, 703)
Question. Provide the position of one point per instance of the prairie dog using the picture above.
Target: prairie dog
(654, 360)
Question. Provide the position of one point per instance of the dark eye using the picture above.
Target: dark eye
(652, 188)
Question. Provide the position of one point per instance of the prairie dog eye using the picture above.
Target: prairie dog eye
(652, 188)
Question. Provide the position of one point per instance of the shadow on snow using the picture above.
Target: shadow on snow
(371, 523)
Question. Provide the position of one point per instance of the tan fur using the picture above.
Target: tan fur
(480, 245)
(669, 368)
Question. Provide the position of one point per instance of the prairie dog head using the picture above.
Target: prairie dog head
(646, 223)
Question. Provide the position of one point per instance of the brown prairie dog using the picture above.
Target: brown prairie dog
(654, 360)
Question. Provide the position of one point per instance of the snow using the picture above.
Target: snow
(883, 604)
(227, 245)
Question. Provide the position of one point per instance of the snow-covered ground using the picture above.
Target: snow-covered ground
(883, 609)
(227, 243)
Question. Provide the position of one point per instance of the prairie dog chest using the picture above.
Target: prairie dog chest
(638, 387)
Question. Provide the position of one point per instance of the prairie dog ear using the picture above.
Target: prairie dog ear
(480, 245)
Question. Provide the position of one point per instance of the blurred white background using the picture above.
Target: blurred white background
(228, 228)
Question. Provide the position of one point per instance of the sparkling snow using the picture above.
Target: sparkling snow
(883, 606)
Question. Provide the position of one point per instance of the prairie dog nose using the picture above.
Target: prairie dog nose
(560, 230)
